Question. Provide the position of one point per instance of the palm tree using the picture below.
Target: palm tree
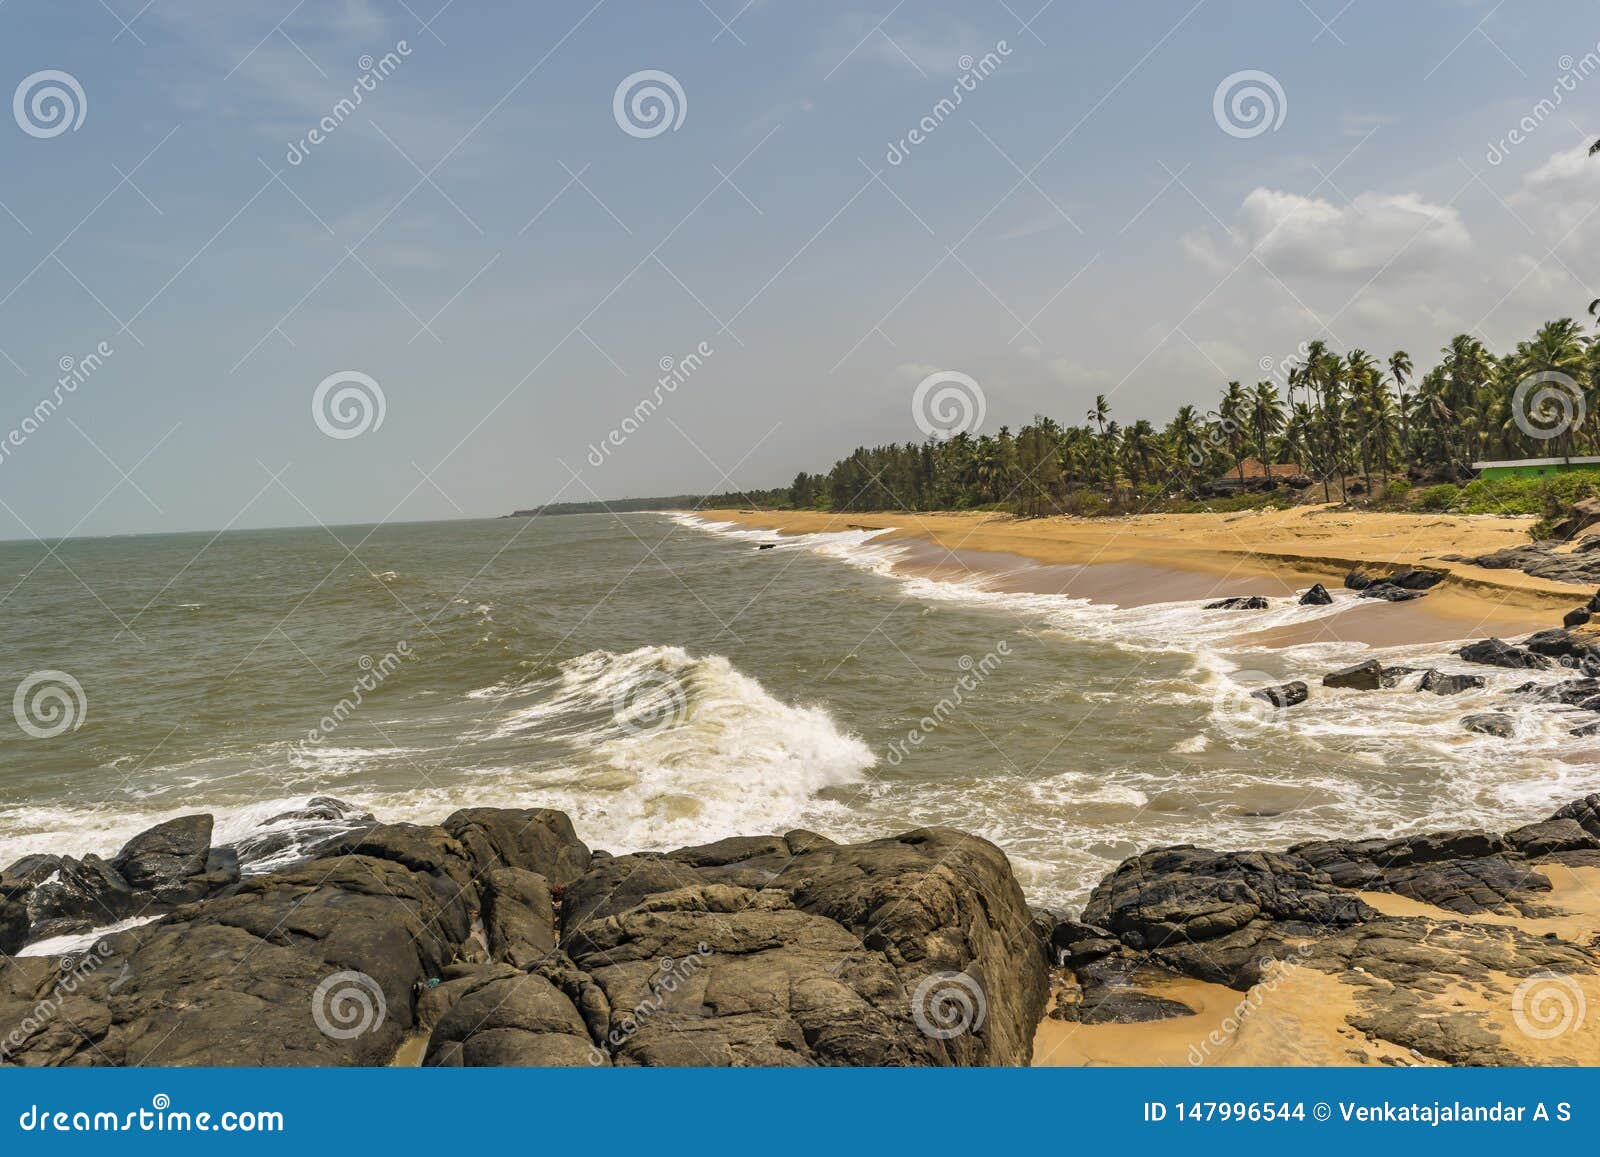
(1188, 441)
(1400, 370)
(1558, 348)
(1231, 414)
(1266, 418)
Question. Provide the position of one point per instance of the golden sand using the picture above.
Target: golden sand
(1247, 552)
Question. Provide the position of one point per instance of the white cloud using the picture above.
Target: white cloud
(1562, 196)
(1397, 233)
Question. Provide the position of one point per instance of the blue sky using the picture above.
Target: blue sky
(483, 240)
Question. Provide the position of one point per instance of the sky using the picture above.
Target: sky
(274, 305)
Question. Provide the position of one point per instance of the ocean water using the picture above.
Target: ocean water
(666, 682)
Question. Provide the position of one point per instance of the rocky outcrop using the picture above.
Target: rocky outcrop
(1495, 723)
(1441, 683)
(1443, 980)
(1317, 596)
(1541, 560)
(1239, 603)
(1498, 653)
(499, 938)
(1284, 694)
(1364, 676)
(1395, 587)
(155, 872)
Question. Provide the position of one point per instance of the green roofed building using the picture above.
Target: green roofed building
(1533, 467)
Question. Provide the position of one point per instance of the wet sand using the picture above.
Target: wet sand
(1171, 557)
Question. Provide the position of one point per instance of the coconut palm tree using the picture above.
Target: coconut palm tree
(1231, 417)
(1266, 418)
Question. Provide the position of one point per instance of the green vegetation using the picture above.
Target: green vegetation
(1361, 431)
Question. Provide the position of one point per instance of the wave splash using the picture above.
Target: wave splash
(671, 748)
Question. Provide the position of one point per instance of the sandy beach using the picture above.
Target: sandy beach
(1160, 557)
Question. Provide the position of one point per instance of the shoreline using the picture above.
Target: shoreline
(1275, 553)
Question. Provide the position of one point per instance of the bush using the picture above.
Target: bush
(1396, 488)
(1438, 497)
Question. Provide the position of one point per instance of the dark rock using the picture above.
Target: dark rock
(166, 854)
(1541, 561)
(519, 916)
(1358, 581)
(1498, 653)
(1442, 684)
(13, 926)
(79, 895)
(1393, 675)
(1390, 593)
(1122, 1004)
(1240, 603)
(521, 1019)
(1283, 695)
(1576, 617)
(298, 835)
(1463, 871)
(1571, 692)
(1208, 913)
(1490, 723)
(1413, 579)
(27, 874)
(1584, 513)
(232, 981)
(1317, 596)
(797, 962)
(654, 960)
(1075, 944)
(1561, 835)
(1408, 972)
(1558, 643)
(1364, 676)
(1584, 812)
(1587, 730)
(322, 809)
(538, 840)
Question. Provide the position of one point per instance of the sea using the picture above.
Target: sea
(667, 679)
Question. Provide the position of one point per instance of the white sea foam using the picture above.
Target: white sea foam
(77, 942)
(713, 752)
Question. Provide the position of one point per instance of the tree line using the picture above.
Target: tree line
(1351, 422)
